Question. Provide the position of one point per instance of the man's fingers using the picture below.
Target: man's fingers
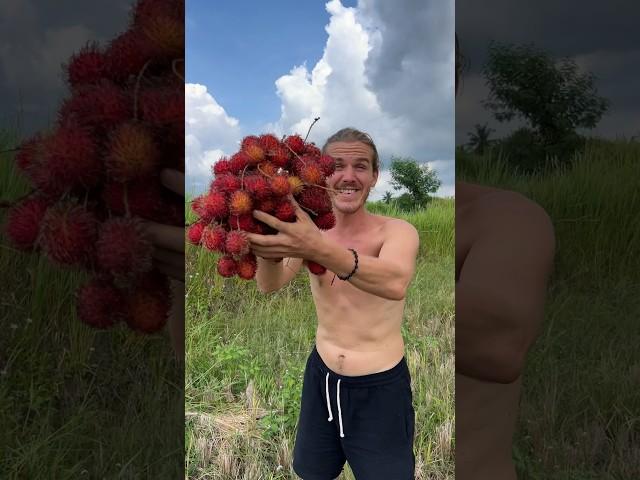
(166, 236)
(269, 220)
(173, 180)
(262, 240)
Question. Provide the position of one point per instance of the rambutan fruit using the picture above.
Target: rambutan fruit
(311, 173)
(267, 205)
(280, 185)
(87, 66)
(227, 266)
(280, 156)
(214, 238)
(123, 248)
(166, 37)
(311, 150)
(315, 199)
(247, 266)
(237, 243)
(249, 140)
(295, 143)
(315, 268)
(327, 164)
(68, 233)
(285, 212)
(255, 153)
(325, 221)
(269, 143)
(127, 54)
(296, 184)
(149, 303)
(194, 233)
(143, 197)
(226, 183)
(258, 186)
(23, 222)
(240, 202)
(30, 154)
(298, 163)
(268, 169)
(242, 222)
(163, 107)
(221, 167)
(239, 161)
(211, 206)
(99, 303)
(132, 153)
(146, 10)
(100, 106)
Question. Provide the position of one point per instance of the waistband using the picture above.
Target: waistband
(370, 380)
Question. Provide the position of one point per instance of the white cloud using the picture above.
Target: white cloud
(386, 69)
(209, 134)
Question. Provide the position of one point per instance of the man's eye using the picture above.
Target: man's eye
(338, 167)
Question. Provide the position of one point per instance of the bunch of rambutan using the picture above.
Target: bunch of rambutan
(260, 176)
(96, 175)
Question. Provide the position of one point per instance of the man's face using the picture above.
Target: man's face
(354, 176)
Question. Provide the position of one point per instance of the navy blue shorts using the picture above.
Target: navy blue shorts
(368, 422)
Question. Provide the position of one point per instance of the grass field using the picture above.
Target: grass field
(580, 408)
(76, 402)
(246, 353)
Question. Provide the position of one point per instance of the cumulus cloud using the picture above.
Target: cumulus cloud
(387, 70)
(209, 134)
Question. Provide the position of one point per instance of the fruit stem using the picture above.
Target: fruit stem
(173, 67)
(309, 131)
(263, 173)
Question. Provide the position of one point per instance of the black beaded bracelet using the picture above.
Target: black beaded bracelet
(355, 267)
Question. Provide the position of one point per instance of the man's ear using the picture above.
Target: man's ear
(375, 178)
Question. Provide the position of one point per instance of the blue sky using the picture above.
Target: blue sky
(383, 67)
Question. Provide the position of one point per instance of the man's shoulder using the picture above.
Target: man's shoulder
(393, 227)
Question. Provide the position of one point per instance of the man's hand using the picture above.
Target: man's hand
(299, 239)
(168, 240)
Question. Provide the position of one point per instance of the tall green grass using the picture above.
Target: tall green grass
(246, 353)
(580, 412)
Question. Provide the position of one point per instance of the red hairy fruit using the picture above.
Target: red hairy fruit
(285, 212)
(194, 233)
(23, 222)
(99, 303)
(312, 150)
(133, 153)
(149, 303)
(166, 37)
(268, 169)
(214, 238)
(325, 221)
(99, 106)
(123, 248)
(149, 9)
(227, 266)
(163, 107)
(268, 205)
(242, 222)
(296, 184)
(240, 203)
(247, 266)
(258, 186)
(295, 143)
(226, 183)
(237, 243)
(280, 185)
(144, 197)
(69, 233)
(211, 206)
(269, 143)
(127, 55)
(71, 160)
(255, 153)
(311, 173)
(316, 268)
(327, 164)
(87, 66)
(239, 161)
(280, 157)
(315, 199)
(221, 167)
(29, 154)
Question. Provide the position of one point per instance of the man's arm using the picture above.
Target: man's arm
(272, 276)
(501, 292)
(388, 275)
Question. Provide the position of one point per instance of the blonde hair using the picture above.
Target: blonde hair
(353, 135)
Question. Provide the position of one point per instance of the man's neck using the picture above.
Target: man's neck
(350, 223)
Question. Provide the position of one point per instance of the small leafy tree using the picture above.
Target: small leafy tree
(418, 179)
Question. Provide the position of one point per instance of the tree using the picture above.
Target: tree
(387, 198)
(554, 97)
(479, 141)
(418, 180)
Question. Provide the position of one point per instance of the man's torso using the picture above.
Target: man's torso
(358, 333)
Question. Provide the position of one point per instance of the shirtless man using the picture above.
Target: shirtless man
(356, 399)
(504, 256)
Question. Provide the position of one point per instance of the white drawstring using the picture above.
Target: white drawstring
(339, 411)
(326, 384)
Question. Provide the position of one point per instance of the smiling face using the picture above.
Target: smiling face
(354, 176)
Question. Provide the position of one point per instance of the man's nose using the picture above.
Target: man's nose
(348, 173)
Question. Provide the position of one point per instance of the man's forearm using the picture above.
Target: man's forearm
(269, 275)
(375, 276)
